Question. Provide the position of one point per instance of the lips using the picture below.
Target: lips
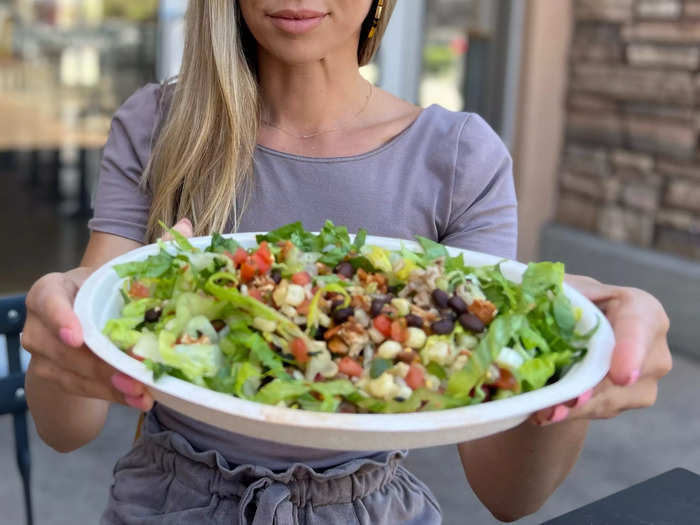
(297, 22)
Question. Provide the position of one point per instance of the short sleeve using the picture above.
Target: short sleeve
(483, 215)
(120, 204)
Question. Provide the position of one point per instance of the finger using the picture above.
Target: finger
(51, 300)
(127, 386)
(74, 384)
(39, 341)
(183, 226)
(143, 403)
(562, 411)
(612, 399)
(634, 335)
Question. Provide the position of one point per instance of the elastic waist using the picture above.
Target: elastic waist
(299, 485)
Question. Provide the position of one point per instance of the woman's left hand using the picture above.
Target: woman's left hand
(640, 359)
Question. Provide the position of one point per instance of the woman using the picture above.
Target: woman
(271, 122)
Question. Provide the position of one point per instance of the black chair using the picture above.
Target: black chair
(12, 400)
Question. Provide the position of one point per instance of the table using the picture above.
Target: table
(672, 498)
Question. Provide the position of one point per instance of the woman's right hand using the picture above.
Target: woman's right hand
(53, 335)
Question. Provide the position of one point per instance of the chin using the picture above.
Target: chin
(297, 52)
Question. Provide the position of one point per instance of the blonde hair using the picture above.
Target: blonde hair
(201, 163)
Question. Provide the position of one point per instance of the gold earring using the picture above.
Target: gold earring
(377, 18)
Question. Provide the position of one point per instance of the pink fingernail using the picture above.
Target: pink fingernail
(560, 413)
(187, 221)
(634, 376)
(584, 398)
(135, 402)
(123, 384)
(66, 335)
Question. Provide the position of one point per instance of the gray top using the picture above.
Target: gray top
(448, 177)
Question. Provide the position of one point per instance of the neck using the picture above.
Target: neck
(311, 97)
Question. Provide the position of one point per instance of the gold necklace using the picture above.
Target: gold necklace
(323, 132)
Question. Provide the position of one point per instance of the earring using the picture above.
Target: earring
(377, 18)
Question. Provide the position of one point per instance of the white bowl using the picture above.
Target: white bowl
(99, 300)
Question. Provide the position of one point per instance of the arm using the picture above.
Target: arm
(515, 471)
(68, 387)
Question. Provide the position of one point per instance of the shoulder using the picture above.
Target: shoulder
(473, 138)
(136, 123)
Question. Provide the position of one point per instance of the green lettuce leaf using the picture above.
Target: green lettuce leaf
(122, 332)
(153, 266)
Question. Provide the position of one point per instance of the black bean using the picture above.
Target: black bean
(448, 314)
(377, 305)
(440, 298)
(457, 304)
(320, 331)
(443, 326)
(337, 301)
(342, 314)
(276, 275)
(414, 320)
(152, 315)
(472, 322)
(346, 269)
(394, 290)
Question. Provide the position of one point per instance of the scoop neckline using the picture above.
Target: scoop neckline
(360, 156)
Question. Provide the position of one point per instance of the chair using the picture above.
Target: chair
(12, 400)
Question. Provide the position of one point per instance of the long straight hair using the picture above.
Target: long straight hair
(201, 166)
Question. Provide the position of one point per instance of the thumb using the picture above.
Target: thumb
(633, 337)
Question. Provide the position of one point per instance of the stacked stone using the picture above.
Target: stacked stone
(631, 165)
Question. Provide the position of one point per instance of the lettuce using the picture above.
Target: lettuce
(536, 372)
(195, 361)
(153, 266)
(122, 332)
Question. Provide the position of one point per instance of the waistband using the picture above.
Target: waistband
(265, 496)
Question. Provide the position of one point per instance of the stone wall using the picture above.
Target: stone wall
(631, 164)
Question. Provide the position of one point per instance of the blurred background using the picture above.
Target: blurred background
(598, 101)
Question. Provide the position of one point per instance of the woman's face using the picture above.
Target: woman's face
(301, 31)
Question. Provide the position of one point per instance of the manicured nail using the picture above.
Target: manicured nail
(126, 386)
(560, 413)
(66, 335)
(584, 398)
(135, 402)
(632, 379)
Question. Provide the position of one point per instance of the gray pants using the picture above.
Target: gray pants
(163, 480)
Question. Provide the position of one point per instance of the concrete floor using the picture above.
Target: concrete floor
(70, 489)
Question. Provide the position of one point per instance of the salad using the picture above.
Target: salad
(328, 323)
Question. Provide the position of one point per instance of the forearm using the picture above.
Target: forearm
(64, 421)
(514, 472)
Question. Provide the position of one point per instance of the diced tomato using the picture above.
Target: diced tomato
(415, 377)
(383, 324)
(262, 265)
(350, 367)
(399, 330)
(240, 256)
(138, 289)
(506, 381)
(248, 270)
(264, 253)
(255, 294)
(299, 350)
(301, 278)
